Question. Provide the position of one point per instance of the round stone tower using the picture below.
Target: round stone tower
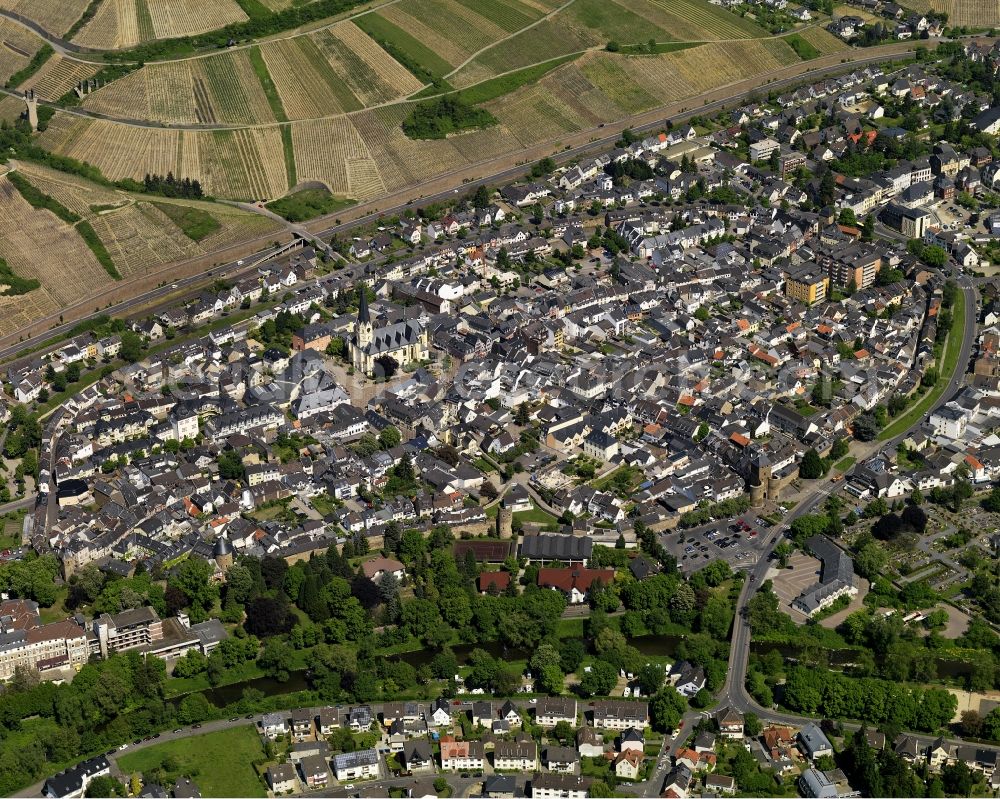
(505, 522)
(759, 479)
(223, 553)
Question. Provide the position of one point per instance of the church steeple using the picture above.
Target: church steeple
(363, 315)
(363, 330)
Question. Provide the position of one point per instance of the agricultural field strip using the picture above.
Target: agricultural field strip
(537, 22)
(187, 117)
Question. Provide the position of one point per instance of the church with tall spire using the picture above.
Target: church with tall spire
(404, 342)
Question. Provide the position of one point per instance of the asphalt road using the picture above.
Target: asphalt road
(18, 504)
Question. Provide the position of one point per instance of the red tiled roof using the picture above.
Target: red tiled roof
(500, 579)
(579, 578)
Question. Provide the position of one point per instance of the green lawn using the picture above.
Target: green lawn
(952, 349)
(323, 503)
(624, 478)
(308, 204)
(536, 515)
(219, 762)
(845, 463)
(178, 686)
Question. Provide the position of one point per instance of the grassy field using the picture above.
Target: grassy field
(308, 204)
(273, 99)
(195, 222)
(845, 463)
(10, 532)
(805, 50)
(535, 516)
(219, 762)
(952, 349)
(411, 52)
(178, 686)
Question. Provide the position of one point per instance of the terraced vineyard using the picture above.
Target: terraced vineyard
(968, 13)
(452, 30)
(24, 233)
(140, 236)
(305, 80)
(17, 46)
(972, 13)
(246, 164)
(121, 24)
(58, 76)
(329, 72)
(136, 233)
(56, 16)
(586, 24)
(823, 40)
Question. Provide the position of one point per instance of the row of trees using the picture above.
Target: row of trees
(898, 706)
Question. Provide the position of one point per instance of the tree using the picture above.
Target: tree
(958, 779)
(267, 616)
(230, 465)
(194, 708)
(972, 724)
(337, 348)
(992, 501)
(389, 437)
(811, 466)
(563, 732)
(870, 560)
(481, 197)
(827, 187)
(105, 786)
(666, 708)
(600, 680)
(751, 725)
(131, 349)
(193, 578)
(650, 678)
(276, 660)
(866, 427)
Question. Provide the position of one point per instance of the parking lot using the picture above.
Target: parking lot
(803, 570)
(737, 541)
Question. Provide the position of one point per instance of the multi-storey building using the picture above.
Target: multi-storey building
(129, 629)
(27, 643)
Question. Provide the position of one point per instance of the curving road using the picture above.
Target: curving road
(734, 690)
